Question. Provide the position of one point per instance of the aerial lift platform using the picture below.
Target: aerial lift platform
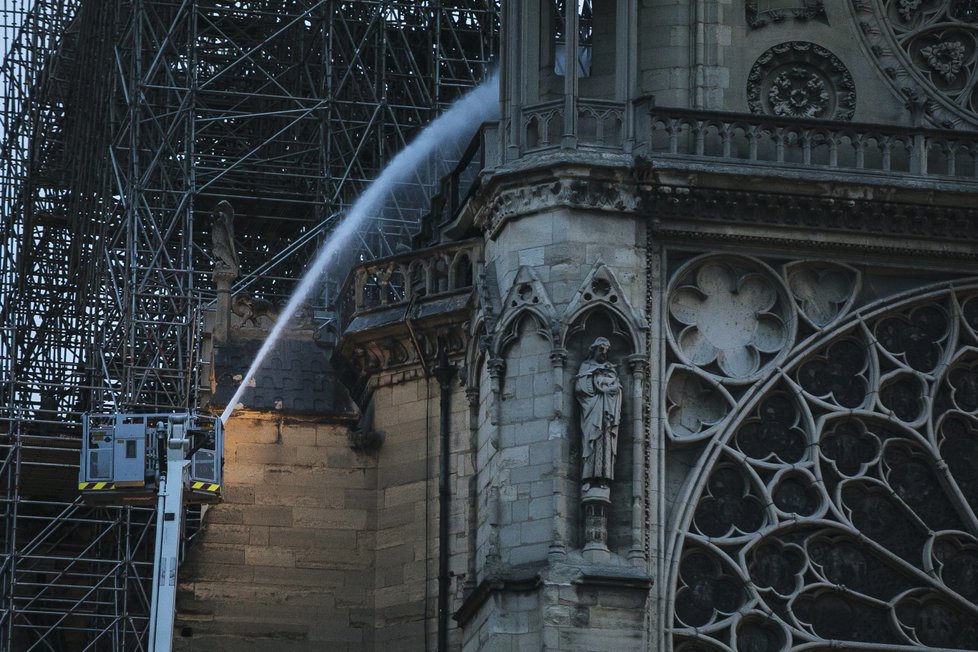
(172, 459)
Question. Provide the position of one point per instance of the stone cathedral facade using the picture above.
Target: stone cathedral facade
(685, 356)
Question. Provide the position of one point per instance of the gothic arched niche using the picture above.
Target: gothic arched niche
(588, 326)
(834, 504)
(525, 347)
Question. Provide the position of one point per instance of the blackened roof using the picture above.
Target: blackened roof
(296, 377)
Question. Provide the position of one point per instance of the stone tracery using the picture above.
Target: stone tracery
(730, 315)
(929, 52)
(838, 503)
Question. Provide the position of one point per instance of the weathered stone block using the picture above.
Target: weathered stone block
(269, 556)
(267, 515)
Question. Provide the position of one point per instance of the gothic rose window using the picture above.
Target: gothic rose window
(928, 51)
(834, 504)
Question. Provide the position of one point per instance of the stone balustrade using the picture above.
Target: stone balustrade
(750, 139)
(400, 279)
(830, 146)
(600, 125)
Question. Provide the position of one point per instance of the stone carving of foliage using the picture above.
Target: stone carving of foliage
(798, 93)
(928, 50)
(801, 80)
(838, 509)
(729, 316)
(760, 12)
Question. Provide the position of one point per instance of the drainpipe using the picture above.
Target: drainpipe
(443, 373)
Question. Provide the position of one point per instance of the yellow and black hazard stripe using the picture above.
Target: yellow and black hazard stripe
(205, 486)
(95, 486)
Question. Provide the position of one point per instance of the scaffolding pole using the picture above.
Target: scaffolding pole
(123, 124)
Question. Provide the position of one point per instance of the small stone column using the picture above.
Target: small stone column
(596, 501)
(639, 366)
(497, 367)
(558, 434)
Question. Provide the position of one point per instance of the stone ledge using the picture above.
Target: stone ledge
(521, 579)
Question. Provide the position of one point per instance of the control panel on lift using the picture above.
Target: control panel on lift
(124, 456)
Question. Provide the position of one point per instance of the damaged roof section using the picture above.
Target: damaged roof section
(296, 377)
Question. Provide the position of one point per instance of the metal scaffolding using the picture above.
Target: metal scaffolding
(124, 122)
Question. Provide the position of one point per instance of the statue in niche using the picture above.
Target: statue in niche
(222, 239)
(598, 392)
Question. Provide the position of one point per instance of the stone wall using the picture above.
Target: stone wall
(320, 547)
(406, 562)
(285, 562)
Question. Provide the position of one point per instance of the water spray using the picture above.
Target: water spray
(457, 124)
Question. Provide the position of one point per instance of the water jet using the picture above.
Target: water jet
(456, 125)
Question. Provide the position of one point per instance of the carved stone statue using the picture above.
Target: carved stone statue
(598, 392)
(252, 310)
(222, 239)
(226, 267)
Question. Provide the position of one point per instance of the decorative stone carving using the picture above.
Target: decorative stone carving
(798, 93)
(902, 227)
(928, 52)
(527, 292)
(604, 194)
(226, 267)
(252, 309)
(598, 392)
(822, 291)
(223, 247)
(802, 80)
(836, 508)
(761, 12)
(694, 405)
(945, 58)
(527, 295)
(729, 317)
(602, 288)
(908, 8)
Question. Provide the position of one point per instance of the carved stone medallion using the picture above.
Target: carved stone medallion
(799, 79)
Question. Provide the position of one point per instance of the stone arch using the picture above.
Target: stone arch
(592, 322)
(462, 272)
(417, 278)
(527, 295)
(601, 290)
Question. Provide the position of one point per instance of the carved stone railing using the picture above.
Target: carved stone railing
(397, 280)
(828, 146)
(600, 125)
